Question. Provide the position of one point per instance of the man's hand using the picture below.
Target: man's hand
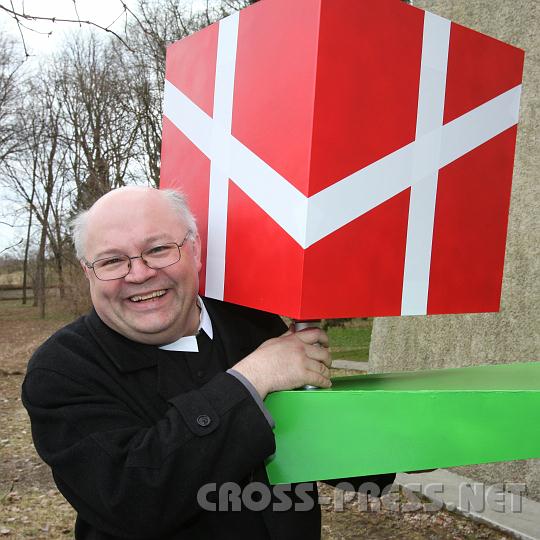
(289, 361)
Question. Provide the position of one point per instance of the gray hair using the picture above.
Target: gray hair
(175, 198)
(179, 204)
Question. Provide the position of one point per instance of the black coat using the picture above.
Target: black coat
(120, 425)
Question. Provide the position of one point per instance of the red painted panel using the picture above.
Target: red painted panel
(264, 264)
(367, 85)
(358, 270)
(275, 84)
(191, 66)
(479, 69)
(469, 237)
(184, 167)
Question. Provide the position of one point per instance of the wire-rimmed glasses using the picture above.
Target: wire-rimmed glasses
(119, 266)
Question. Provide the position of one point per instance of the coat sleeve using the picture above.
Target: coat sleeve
(136, 480)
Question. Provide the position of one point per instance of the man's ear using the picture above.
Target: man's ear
(196, 247)
(85, 269)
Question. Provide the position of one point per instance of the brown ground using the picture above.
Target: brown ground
(31, 507)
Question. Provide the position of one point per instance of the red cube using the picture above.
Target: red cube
(345, 158)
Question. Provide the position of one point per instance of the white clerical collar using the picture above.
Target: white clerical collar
(189, 343)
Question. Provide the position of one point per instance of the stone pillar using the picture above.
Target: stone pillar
(512, 335)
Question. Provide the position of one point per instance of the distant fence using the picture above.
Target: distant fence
(15, 292)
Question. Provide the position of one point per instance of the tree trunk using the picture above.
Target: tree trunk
(35, 290)
(25, 262)
(60, 272)
(27, 246)
(44, 225)
(40, 273)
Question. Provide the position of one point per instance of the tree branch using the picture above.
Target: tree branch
(17, 16)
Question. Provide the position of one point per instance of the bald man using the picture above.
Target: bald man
(149, 409)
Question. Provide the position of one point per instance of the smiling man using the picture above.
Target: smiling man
(156, 396)
(148, 305)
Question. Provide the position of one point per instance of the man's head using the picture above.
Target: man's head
(128, 221)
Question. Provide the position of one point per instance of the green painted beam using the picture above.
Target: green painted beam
(394, 422)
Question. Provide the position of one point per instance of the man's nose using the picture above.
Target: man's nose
(139, 272)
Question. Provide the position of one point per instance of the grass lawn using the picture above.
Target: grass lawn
(350, 343)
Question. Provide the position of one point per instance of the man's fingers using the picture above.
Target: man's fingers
(291, 360)
(316, 379)
(313, 336)
(318, 353)
(318, 368)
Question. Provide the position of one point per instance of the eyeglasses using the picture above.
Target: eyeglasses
(119, 266)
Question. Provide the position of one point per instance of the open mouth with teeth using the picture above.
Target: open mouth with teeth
(148, 297)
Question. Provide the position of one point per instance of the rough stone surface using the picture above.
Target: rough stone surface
(512, 335)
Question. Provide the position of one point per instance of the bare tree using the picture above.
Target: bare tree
(36, 175)
(99, 126)
(49, 172)
(154, 25)
(10, 78)
(19, 173)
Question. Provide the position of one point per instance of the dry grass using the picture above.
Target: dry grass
(32, 508)
(30, 505)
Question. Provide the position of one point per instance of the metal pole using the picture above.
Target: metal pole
(301, 325)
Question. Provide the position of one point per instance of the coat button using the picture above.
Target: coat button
(201, 373)
(203, 420)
